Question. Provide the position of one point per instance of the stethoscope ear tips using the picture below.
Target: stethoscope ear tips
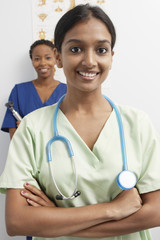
(77, 194)
(59, 197)
(126, 180)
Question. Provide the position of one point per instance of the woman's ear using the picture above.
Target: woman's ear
(57, 56)
(111, 60)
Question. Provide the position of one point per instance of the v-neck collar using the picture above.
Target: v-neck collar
(38, 97)
(104, 137)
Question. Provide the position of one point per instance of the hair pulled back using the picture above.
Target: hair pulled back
(40, 42)
(80, 13)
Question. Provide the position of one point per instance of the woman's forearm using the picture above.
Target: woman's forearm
(147, 217)
(128, 225)
(23, 219)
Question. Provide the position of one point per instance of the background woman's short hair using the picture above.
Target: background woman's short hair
(40, 42)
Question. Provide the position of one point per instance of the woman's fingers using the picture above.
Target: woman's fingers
(36, 197)
(126, 203)
(36, 191)
(32, 203)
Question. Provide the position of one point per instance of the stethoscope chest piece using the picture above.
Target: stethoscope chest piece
(126, 180)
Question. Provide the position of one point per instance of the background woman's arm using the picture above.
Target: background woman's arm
(11, 132)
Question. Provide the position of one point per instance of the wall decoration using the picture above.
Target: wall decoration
(46, 13)
(42, 16)
(42, 2)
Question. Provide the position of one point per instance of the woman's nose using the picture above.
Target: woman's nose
(43, 61)
(89, 59)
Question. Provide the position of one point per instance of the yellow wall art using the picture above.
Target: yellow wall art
(46, 13)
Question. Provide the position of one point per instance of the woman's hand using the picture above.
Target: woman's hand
(17, 123)
(126, 203)
(36, 197)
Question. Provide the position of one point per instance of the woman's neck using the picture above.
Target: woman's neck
(85, 103)
(45, 82)
(87, 113)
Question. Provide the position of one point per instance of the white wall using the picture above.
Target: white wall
(135, 75)
(16, 37)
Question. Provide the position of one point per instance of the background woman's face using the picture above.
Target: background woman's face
(43, 60)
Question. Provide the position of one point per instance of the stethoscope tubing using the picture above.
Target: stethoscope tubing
(75, 185)
(122, 182)
(55, 115)
(55, 138)
(121, 130)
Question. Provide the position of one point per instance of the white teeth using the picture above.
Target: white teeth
(87, 74)
(43, 70)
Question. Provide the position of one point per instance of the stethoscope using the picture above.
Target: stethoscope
(126, 179)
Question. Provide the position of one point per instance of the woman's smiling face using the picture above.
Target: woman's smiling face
(43, 61)
(86, 55)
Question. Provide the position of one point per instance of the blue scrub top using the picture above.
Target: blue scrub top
(26, 99)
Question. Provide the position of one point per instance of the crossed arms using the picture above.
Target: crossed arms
(31, 212)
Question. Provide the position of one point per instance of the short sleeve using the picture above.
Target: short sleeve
(20, 165)
(150, 168)
(9, 120)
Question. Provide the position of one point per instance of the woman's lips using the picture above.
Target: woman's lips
(88, 75)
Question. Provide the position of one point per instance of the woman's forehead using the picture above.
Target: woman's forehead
(88, 29)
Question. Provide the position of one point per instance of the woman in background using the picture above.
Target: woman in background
(41, 92)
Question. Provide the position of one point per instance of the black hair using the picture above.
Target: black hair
(80, 13)
(40, 42)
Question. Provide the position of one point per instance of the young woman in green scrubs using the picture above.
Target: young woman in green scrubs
(84, 41)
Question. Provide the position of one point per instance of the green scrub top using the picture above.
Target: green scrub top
(97, 169)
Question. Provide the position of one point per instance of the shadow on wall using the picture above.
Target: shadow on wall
(4, 143)
(27, 72)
